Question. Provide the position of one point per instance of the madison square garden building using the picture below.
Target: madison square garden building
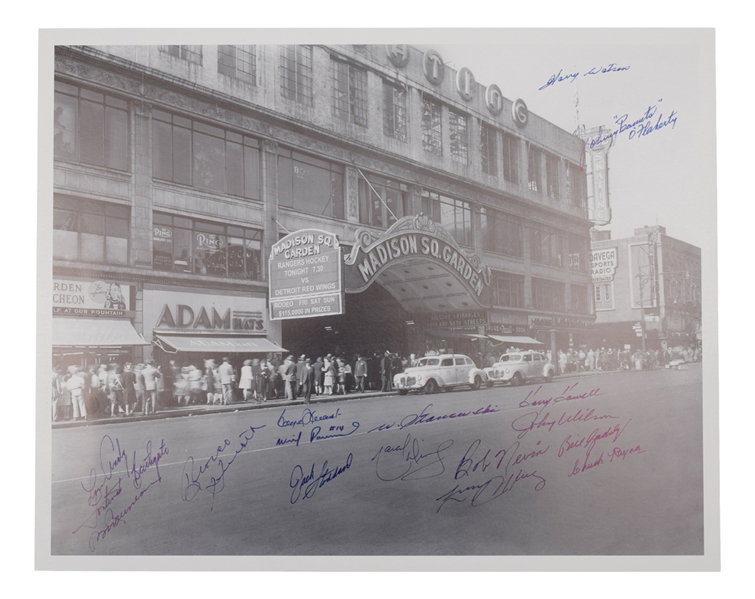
(321, 199)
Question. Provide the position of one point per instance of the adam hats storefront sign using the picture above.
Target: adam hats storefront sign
(91, 298)
(603, 264)
(199, 312)
(410, 238)
(305, 275)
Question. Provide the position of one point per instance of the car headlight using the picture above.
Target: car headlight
(508, 371)
(419, 378)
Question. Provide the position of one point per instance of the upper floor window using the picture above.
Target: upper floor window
(431, 127)
(552, 176)
(239, 62)
(90, 127)
(458, 132)
(508, 290)
(500, 234)
(454, 215)
(90, 231)
(394, 111)
(511, 158)
(547, 295)
(534, 168)
(310, 185)
(577, 253)
(576, 185)
(193, 153)
(489, 149)
(193, 246)
(546, 246)
(296, 73)
(382, 202)
(188, 53)
(349, 92)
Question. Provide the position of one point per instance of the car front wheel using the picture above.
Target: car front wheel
(517, 379)
(431, 386)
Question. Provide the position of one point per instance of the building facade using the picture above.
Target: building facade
(646, 286)
(177, 168)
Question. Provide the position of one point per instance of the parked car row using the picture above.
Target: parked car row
(447, 371)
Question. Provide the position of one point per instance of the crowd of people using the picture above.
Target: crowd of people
(115, 390)
(123, 390)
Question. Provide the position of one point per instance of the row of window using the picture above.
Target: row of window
(349, 103)
(508, 291)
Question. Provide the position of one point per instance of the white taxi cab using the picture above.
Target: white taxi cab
(443, 371)
(519, 367)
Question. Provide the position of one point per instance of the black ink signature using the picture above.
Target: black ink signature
(307, 417)
(511, 455)
(411, 463)
(424, 416)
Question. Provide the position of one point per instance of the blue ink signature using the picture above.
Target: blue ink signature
(532, 421)
(314, 434)
(641, 126)
(307, 417)
(218, 463)
(425, 417)
(515, 458)
(410, 463)
(565, 396)
(308, 484)
(491, 489)
(558, 78)
(103, 491)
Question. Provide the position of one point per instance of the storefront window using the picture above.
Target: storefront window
(90, 231)
(185, 245)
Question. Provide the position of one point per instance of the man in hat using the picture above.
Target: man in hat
(386, 370)
(307, 379)
(299, 374)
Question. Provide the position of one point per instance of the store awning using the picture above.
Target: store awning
(209, 344)
(516, 339)
(94, 332)
(454, 334)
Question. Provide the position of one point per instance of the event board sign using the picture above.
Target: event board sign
(306, 275)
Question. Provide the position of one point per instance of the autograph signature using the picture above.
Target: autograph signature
(103, 488)
(217, 464)
(425, 416)
(305, 486)
(558, 78)
(409, 463)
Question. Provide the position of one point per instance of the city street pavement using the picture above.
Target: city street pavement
(202, 409)
(596, 464)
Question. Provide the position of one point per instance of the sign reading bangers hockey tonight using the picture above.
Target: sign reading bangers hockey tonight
(409, 239)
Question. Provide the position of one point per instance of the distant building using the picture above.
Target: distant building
(648, 277)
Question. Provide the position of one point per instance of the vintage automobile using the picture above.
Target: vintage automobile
(519, 367)
(443, 371)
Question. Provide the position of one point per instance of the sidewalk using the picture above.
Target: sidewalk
(200, 409)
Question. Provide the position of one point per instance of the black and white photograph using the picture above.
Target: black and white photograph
(442, 296)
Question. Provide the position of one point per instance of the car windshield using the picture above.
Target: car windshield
(428, 362)
(511, 358)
